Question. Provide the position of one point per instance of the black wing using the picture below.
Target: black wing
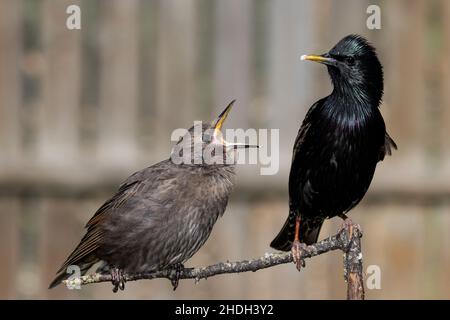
(386, 148)
(299, 155)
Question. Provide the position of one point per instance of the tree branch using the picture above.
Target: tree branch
(351, 246)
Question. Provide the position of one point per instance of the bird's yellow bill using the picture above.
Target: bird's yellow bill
(314, 58)
(223, 116)
(218, 126)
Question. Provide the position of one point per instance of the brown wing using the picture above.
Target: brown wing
(92, 239)
(125, 191)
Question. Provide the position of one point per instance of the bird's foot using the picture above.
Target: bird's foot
(176, 279)
(349, 225)
(117, 279)
(296, 249)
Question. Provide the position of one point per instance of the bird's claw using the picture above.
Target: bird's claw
(117, 279)
(297, 248)
(176, 279)
(349, 226)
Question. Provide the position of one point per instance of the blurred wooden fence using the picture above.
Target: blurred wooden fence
(80, 110)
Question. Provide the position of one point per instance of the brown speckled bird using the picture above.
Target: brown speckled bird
(162, 215)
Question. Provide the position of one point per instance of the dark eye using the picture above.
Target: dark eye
(207, 137)
(350, 60)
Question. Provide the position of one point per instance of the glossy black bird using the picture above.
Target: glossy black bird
(161, 215)
(338, 146)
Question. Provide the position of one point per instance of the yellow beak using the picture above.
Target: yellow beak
(319, 59)
(217, 125)
(222, 117)
(314, 58)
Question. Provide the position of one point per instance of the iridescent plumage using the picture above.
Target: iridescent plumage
(339, 144)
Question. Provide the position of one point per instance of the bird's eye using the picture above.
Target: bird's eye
(207, 138)
(350, 60)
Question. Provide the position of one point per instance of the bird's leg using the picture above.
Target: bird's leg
(117, 279)
(176, 279)
(347, 224)
(297, 247)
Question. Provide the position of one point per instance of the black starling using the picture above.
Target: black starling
(161, 215)
(338, 146)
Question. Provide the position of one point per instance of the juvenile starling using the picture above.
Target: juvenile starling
(161, 215)
(338, 146)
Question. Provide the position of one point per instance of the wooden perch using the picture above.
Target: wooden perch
(350, 245)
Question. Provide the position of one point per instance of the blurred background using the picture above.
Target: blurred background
(80, 110)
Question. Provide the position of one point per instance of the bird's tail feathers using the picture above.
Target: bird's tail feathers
(282, 241)
(308, 234)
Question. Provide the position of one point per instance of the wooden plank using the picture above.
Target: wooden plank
(289, 80)
(90, 82)
(10, 85)
(262, 223)
(58, 110)
(389, 185)
(445, 85)
(148, 78)
(28, 277)
(403, 55)
(9, 246)
(60, 228)
(401, 48)
(433, 253)
(118, 81)
(175, 87)
(282, 282)
(394, 239)
(233, 59)
(442, 263)
(289, 85)
(342, 18)
(230, 240)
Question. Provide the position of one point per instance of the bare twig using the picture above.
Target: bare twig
(353, 265)
(351, 246)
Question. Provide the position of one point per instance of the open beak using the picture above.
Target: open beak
(324, 59)
(217, 125)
